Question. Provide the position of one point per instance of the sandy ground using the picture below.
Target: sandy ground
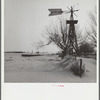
(40, 69)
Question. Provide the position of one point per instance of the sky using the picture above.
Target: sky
(26, 20)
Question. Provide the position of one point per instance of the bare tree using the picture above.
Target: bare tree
(39, 44)
(58, 34)
(86, 48)
(92, 31)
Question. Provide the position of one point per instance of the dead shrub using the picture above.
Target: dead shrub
(78, 68)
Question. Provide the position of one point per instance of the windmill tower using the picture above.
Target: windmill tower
(72, 39)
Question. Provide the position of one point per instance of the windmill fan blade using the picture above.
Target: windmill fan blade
(75, 14)
(72, 8)
(68, 8)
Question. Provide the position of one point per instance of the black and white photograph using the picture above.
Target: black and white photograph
(50, 41)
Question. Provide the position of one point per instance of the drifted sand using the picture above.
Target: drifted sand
(40, 69)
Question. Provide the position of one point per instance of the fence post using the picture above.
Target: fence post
(80, 67)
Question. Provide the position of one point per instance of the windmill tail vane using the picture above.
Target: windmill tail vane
(55, 12)
(60, 11)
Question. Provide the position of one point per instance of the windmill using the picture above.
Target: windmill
(72, 39)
